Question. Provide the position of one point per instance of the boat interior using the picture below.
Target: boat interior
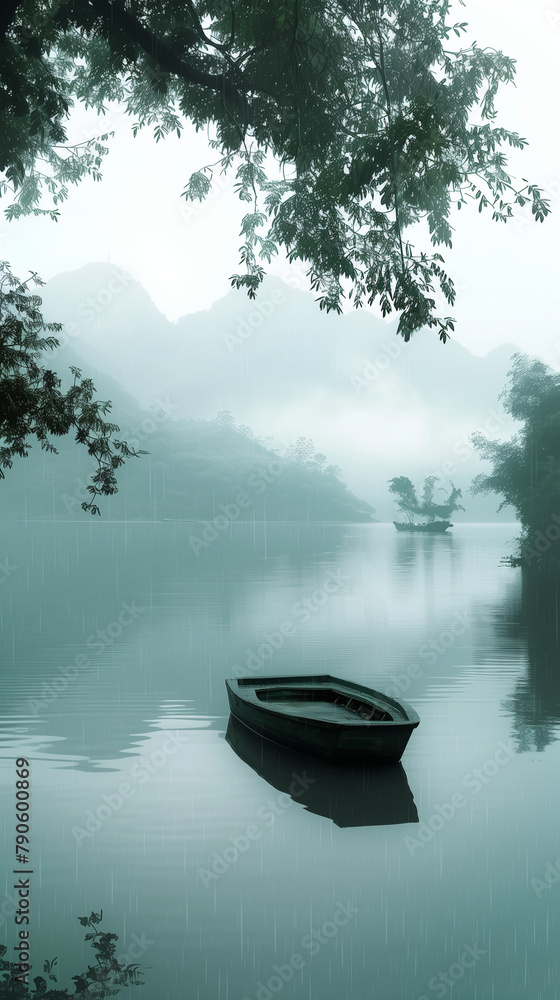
(324, 702)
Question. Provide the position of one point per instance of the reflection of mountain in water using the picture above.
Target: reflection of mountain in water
(349, 795)
(531, 621)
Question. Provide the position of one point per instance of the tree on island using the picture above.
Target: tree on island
(409, 504)
(526, 469)
(374, 116)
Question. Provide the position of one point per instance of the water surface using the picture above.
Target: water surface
(116, 641)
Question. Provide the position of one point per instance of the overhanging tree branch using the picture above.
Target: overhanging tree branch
(359, 97)
(114, 13)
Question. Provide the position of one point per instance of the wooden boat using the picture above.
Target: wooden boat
(433, 526)
(350, 795)
(324, 716)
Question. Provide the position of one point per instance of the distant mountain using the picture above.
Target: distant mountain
(195, 469)
(378, 407)
(233, 355)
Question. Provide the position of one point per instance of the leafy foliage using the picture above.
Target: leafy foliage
(104, 979)
(378, 119)
(409, 504)
(526, 469)
(32, 403)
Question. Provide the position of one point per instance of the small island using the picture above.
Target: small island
(436, 514)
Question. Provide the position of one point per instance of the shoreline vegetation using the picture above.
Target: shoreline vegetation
(526, 468)
(103, 979)
(194, 470)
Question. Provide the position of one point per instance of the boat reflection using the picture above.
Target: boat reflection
(350, 795)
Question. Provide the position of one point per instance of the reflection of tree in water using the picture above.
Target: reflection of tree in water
(410, 550)
(531, 621)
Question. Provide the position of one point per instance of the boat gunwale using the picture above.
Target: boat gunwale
(410, 719)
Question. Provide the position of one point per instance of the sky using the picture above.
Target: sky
(506, 276)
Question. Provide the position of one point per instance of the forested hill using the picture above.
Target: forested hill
(374, 405)
(195, 469)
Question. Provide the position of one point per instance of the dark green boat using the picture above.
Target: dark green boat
(324, 716)
(433, 526)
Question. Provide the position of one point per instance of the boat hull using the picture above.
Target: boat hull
(433, 527)
(344, 740)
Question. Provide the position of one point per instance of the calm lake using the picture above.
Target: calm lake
(440, 878)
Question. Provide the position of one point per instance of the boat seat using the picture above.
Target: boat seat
(365, 711)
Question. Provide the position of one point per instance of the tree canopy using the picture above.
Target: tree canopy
(409, 504)
(376, 115)
(526, 469)
(347, 123)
